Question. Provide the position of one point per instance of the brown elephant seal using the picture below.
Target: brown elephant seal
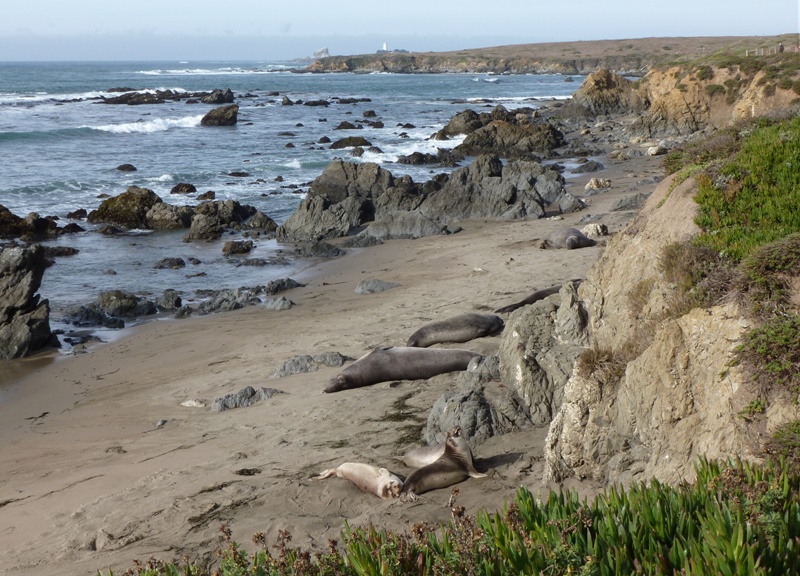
(400, 363)
(535, 297)
(369, 479)
(452, 467)
(424, 455)
(569, 238)
(461, 328)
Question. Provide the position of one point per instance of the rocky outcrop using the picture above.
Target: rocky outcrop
(24, 318)
(674, 399)
(481, 407)
(227, 115)
(488, 189)
(128, 210)
(163, 216)
(348, 196)
(511, 140)
(603, 93)
(212, 218)
(539, 346)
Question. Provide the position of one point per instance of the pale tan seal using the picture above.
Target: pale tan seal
(368, 478)
(400, 363)
(452, 467)
(535, 297)
(461, 328)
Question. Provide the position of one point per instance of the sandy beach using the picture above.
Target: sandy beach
(90, 482)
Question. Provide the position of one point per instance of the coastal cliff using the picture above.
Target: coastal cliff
(633, 57)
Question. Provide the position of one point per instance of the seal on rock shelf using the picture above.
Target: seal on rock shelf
(461, 328)
(400, 363)
(452, 467)
(535, 297)
(369, 479)
(569, 238)
(425, 455)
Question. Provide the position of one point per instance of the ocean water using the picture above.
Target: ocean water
(59, 149)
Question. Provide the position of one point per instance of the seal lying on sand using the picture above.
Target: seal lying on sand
(569, 238)
(368, 478)
(452, 467)
(462, 328)
(535, 297)
(400, 363)
(424, 455)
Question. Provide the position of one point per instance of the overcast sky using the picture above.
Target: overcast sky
(270, 29)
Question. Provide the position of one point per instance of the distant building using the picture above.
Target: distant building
(385, 49)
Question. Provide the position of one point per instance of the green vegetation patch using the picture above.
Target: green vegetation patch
(737, 518)
(754, 198)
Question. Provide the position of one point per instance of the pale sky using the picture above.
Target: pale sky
(270, 29)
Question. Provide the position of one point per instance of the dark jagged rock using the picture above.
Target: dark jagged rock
(218, 97)
(169, 300)
(90, 315)
(245, 397)
(227, 115)
(211, 218)
(170, 264)
(318, 250)
(350, 142)
(24, 318)
(128, 209)
(281, 285)
(511, 140)
(183, 188)
(163, 216)
(237, 247)
(124, 305)
(126, 168)
(308, 363)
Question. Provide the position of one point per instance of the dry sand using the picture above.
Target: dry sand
(88, 482)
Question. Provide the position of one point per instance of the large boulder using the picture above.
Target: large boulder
(339, 200)
(227, 115)
(539, 346)
(128, 210)
(488, 189)
(218, 97)
(24, 318)
(212, 218)
(604, 93)
(163, 216)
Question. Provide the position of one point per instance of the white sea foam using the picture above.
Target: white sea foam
(157, 125)
(266, 69)
(165, 178)
(293, 164)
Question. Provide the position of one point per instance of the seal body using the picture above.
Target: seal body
(368, 478)
(400, 363)
(452, 467)
(569, 238)
(461, 328)
(425, 455)
(535, 297)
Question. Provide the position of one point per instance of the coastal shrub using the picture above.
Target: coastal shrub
(736, 518)
(715, 89)
(704, 72)
(772, 351)
(757, 201)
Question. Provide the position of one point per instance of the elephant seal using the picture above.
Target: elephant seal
(424, 455)
(369, 479)
(399, 363)
(535, 297)
(462, 328)
(452, 467)
(569, 238)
